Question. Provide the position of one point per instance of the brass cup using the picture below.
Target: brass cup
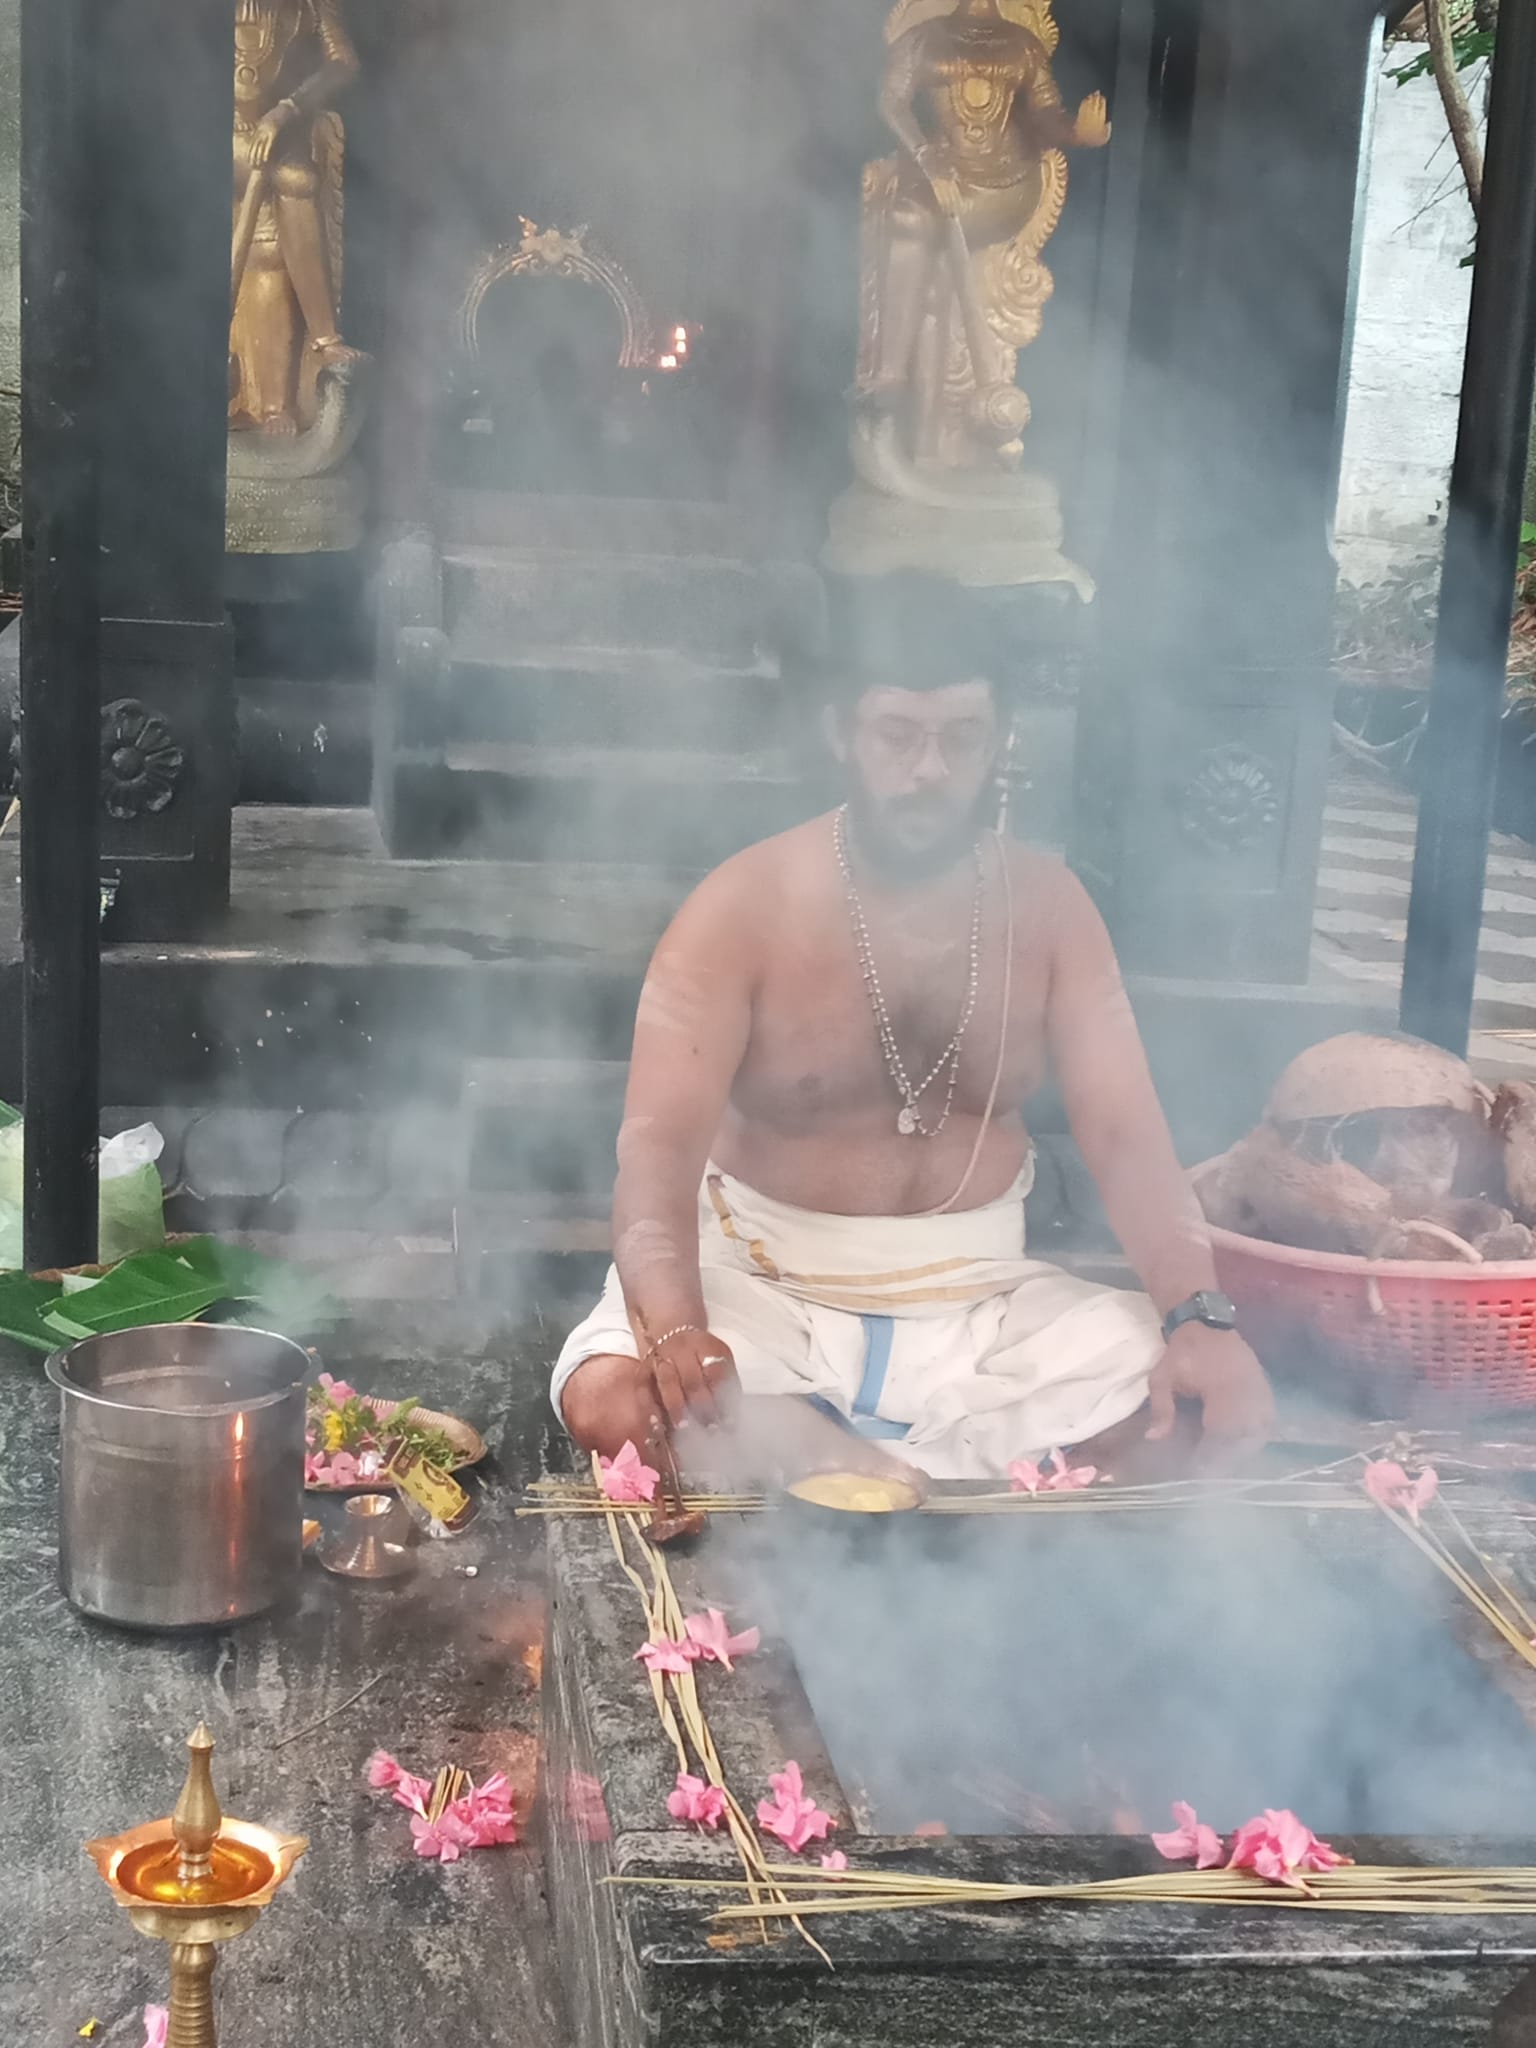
(372, 1539)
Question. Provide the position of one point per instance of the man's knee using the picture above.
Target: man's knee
(608, 1402)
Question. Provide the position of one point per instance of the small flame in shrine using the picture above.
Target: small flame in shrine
(677, 350)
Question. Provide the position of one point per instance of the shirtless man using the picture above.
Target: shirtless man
(818, 1219)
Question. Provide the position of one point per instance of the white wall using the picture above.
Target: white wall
(1410, 328)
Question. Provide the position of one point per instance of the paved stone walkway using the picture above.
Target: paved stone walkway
(1362, 909)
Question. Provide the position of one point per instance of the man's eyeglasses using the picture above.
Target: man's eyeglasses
(963, 742)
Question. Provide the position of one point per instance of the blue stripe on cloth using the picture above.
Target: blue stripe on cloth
(878, 1331)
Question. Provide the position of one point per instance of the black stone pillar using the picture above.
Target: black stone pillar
(1482, 534)
(1203, 736)
(163, 225)
(62, 967)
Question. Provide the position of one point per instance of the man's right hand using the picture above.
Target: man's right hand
(695, 1377)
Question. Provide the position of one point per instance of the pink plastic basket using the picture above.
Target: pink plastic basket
(1400, 1330)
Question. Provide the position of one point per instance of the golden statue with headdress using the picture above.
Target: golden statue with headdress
(292, 57)
(295, 391)
(952, 285)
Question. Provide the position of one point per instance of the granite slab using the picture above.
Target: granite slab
(368, 1944)
(645, 1963)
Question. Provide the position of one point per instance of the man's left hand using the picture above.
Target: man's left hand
(1217, 1369)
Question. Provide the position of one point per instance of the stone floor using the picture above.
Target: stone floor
(1360, 922)
(369, 1944)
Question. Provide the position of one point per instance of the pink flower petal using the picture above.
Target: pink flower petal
(483, 1820)
(1190, 1840)
(790, 1815)
(316, 1470)
(343, 1469)
(1025, 1476)
(157, 2018)
(836, 1861)
(1067, 1478)
(338, 1390)
(625, 1478)
(412, 1792)
(714, 1640)
(384, 1773)
(691, 1799)
(1276, 1846)
(1390, 1487)
(665, 1655)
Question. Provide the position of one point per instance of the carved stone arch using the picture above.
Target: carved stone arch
(560, 252)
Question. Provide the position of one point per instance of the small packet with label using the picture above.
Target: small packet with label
(434, 1499)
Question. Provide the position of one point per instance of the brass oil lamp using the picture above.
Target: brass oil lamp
(195, 1879)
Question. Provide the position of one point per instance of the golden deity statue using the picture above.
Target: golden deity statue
(952, 287)
(295, 396)
(292, 57)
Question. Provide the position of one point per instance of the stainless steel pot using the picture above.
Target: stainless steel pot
(181, 1479)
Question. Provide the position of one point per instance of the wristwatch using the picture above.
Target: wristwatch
(1216, 1311)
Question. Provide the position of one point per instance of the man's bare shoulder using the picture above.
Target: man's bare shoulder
(1040, 877)
(752, 884)
(797, 855)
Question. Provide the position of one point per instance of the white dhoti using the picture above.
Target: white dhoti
(935, 1334)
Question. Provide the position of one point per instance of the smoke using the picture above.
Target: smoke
(1077, 1673)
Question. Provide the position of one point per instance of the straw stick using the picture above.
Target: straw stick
(683, 1720)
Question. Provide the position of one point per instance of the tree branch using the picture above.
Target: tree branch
(1459, 116)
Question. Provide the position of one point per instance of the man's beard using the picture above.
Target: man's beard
(893, 856)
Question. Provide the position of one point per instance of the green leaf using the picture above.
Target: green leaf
(150, 1287)
(283, 1295)
(24, 1303)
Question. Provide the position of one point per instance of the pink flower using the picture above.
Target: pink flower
(487, 1812)
(1191, 1838)
(665, 1655)
(795, 1819)
(446, 1838)
(337, 1390)
(1069, 1478)
(713, 1640)
(1276, 1845)
(156, 2020)
(1025, 1476)
(836, 1861)
(343, 1470)
(625, 1478)
(691, 1799)
(316, 1471)
(386, 1774)
(1390, 1487)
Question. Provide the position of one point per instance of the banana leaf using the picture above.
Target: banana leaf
(23, 1304)
(176, 1285)
(150, 1287)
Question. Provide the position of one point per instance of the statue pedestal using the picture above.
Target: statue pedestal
(986, 531)
(301, 494)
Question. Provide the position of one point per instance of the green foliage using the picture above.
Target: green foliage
(1471, 45)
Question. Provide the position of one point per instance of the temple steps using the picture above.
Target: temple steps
(494, 799)
(611, 696)
(715, 610)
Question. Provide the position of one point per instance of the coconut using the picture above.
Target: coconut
(1363, 1070)
(1514, 1118)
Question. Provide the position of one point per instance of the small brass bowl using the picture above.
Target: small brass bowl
(852, 1497)
(372, 1541)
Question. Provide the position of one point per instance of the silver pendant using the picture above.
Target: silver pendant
(906, 1120)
